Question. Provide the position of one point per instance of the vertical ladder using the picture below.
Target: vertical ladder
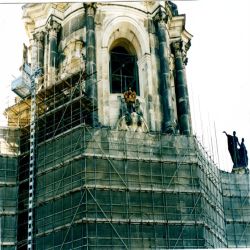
(32, 161)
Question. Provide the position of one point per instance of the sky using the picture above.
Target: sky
(217, 70)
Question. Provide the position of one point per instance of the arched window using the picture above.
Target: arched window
(123, 71)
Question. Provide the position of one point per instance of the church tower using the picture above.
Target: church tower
(107, 155)
(140, 45)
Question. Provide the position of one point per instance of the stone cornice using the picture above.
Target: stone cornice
(177, 28)
(35, 16)
(177, 32)
(186, 36)
(35, 10)
(41, 9)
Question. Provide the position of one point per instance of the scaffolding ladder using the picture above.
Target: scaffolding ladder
(32, 161)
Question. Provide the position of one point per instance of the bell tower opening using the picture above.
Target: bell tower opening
(123, 70)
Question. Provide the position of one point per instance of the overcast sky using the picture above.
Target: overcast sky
(217, 71)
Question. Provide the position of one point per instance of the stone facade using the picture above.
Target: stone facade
(61, 44)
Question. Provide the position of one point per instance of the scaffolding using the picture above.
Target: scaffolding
(97, 187)
(146, 192)
(103, 188)
(9, 147)
(236, 197)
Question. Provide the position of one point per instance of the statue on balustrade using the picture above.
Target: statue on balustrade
(243, 154)
(233, 143)
(238, 152)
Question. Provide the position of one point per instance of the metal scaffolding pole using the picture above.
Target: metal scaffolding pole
(32, 160)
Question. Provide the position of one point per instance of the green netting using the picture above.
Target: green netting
(236, 193)
(125, 192)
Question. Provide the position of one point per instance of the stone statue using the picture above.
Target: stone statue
(233, 143)
(138, 111)
(243, 154)
(25, 54)
(173, 8)
(130, 97)
(123, 107)
(130, 109)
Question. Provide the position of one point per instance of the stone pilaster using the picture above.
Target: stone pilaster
(91, 78)
(145, 75)
(183, 108)
(39, 39)
(34, 53)
(52, 28)
(167, 107)
(46, 56)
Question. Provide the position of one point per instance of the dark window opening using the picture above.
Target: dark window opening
(124, 71)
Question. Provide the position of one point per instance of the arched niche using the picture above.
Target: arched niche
(126, 32)
(123, 67)
(129, 28)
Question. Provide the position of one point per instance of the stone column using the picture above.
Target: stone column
(91, 79)
(183, 108)
(52, 28)
(168, 113)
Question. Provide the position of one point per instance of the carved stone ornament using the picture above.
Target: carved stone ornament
(149, 3)
(180, 49)
(161, 16)
(177, 47)
(130, 96)
(173, 8)
(90, 8)
(25, 54)
(39, 36)
(187, 46)
(53, 26)
(137, 123)
(171, 63)
(131, 118)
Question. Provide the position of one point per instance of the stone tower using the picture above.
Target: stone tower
(107, 157)
(139, 45)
